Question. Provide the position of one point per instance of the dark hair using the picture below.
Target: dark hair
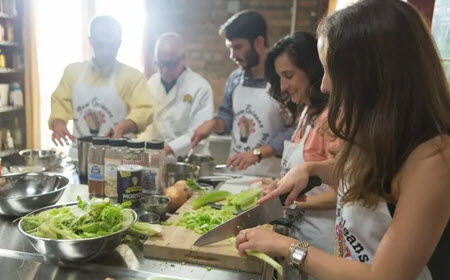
(301, 48)
(389, 92)
(247, 25)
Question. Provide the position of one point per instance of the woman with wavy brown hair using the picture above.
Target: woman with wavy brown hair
(390, 104)
(294, 72)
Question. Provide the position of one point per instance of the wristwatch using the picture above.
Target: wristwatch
(257, 152)
(297, 253)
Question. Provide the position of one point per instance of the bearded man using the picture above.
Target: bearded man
(247, 112)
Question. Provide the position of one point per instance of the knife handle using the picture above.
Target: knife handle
(313, 182)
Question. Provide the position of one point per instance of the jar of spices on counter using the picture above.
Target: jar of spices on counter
(96, 166)
(113, 158)
(152, 182)
(135, 153)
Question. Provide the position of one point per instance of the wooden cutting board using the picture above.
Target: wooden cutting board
(176, 244)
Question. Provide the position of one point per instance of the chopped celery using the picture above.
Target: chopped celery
(209, 198)
(204, 219)
(245, 199)
(85, 220)
(146, 229)
(194, 186)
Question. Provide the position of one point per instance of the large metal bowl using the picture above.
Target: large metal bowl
(46, 158)
(22, 193)
(80, 250)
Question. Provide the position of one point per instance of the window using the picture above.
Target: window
(441, 31)
(61, 36)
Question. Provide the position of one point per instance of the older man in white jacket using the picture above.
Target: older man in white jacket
(182, 99)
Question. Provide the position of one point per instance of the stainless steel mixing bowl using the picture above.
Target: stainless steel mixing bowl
(23, 193)
(46, 158)
(80, 250)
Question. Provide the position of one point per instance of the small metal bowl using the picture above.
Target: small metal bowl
(22, 193)
(46, 158)
(79, 250)
(157, 204)
(150, 218)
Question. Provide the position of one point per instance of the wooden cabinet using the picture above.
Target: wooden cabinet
(12, 96)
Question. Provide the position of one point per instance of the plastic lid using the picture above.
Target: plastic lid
(136, 144)
(117, 142)
(155, 145)
(85, 139)
(100, 140)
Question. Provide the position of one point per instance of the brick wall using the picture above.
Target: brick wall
(198, 22)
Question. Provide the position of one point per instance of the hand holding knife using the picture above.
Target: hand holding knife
(269, 208)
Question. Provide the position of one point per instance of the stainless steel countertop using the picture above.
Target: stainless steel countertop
(19, 260)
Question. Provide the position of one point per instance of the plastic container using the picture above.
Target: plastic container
(135, 153)
(96, 166)
(113, 158)
(15, 95)
(153, 174)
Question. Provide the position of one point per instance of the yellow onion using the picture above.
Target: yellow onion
(177, 197)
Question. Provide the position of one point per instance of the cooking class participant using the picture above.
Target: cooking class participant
(294, 72)
(102, 96)
(248, 112)
(390, 106)
(182, 98)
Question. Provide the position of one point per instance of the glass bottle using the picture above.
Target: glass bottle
(153, 173)
(96, 166)
(113, 158)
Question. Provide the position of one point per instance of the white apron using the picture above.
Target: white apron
(96, 109)
(257, 119)
(359, 231)
(315, 226)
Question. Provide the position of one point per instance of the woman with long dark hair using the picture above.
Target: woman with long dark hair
(294, 72)
(390, 104)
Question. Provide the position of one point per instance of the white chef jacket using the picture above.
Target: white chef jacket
(178, 113)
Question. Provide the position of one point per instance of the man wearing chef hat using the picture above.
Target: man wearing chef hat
(182, 98)
(248, 112)
(101, 96)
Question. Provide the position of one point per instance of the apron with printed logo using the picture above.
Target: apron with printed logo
(257, 119)
(315, 226)
(96, 109)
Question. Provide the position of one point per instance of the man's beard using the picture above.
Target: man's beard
(251, 58)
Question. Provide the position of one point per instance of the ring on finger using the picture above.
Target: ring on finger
(245, 236)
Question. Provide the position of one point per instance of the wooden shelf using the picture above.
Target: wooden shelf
(9, 44)
(8, 109)
(8, 152)
(11, 71)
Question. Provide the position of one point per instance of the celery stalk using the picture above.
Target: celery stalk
(267, 259)
(209, 198)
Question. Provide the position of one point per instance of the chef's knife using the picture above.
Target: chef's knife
(260, 214)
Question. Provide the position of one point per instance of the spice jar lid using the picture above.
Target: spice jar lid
(100, 140)
(117, 142)
(136, 144)
(85, 139)
(155, 145)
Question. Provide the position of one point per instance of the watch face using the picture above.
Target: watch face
(298, 256)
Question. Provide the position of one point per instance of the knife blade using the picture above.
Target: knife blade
(260, 214)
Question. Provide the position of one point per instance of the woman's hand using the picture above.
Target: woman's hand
(268, 185)
(293, 183)
(263, 240)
